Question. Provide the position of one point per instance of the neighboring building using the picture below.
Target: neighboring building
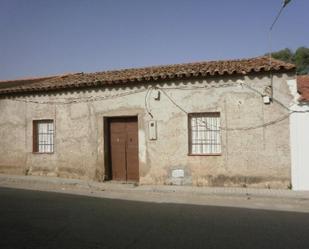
(207, 123)
(299, 122)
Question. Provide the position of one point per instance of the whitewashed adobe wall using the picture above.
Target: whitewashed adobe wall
(255, 143)
(299, 132)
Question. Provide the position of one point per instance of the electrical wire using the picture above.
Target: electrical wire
(280, 119)
(162, 89)
(288, 108)
(79, 100)
(149, 90)
(91, 98)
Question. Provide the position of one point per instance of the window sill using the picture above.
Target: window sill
(43, 153)
(218, 154)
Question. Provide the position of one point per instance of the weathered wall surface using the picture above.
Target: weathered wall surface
(255, 136)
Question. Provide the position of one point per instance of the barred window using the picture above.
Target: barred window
(204, 133)
(43, 136)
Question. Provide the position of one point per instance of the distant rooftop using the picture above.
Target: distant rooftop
(303, 87)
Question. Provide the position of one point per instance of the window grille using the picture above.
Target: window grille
(204, 134)
(43, 136)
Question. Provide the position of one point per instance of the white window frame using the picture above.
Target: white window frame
(43, 136)
(204, 134)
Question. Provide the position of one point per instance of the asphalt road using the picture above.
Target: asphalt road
(32, 219)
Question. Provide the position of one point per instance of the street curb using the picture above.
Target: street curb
(267, 199)
(112, 186)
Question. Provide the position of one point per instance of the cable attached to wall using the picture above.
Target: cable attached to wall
(147, 108)
(162, 89)
(79, 100)
(239, 128)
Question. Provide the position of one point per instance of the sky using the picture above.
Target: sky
(51, 37)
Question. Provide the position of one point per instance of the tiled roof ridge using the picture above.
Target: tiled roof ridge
(153, 73)
(190, 64)
(35, 78)
(29, 79)
(183, 63)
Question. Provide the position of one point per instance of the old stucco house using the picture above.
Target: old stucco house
(206, 123)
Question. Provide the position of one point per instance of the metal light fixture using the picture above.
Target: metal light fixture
(286, 2)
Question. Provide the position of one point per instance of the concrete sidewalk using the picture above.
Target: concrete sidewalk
(269, 199)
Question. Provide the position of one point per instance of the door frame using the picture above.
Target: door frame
(107, 146)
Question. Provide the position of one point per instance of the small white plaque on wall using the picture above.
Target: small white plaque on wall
(152, 129)
(178, 173)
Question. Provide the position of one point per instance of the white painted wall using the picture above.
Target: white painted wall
(299, 132)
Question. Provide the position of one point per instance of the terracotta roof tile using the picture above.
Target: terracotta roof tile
(19, 82)
(128, 76)
(303, 87)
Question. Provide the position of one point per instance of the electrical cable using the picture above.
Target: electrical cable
(149, 90)
(231, 129)
(162, 89)
(79, 100)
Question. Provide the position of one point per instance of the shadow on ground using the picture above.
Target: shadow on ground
(33, 219)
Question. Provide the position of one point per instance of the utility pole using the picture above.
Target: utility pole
(284, 4)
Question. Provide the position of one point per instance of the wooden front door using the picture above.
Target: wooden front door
(124, 148)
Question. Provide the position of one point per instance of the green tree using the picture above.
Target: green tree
(300, 58)
(284, 55)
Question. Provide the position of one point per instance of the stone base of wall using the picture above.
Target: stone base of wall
(63, 172)
(202, 181)
(222, 181)
(242, 181)
(12, 170)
